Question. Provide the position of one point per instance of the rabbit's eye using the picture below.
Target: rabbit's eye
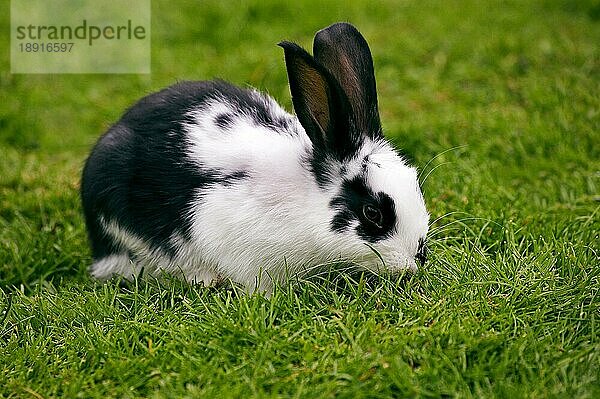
(373, 215)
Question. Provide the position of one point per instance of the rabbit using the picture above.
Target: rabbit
(211, 182)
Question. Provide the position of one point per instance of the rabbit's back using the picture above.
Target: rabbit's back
(146, 178)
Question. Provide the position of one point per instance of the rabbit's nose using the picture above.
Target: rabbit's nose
(421, 255)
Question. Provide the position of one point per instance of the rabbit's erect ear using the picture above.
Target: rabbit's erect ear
(320, 104)
(344, 52)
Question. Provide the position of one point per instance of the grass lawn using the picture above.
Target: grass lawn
(508, 305)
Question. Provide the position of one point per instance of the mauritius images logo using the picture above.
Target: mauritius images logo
(80, 36)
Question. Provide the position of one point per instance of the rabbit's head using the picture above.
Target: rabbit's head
(377, 208)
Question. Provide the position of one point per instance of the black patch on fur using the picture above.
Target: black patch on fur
(349, 204)
(232, 178)
(421, 256)
(320, 164)
(245, 102)
(281, 124)
(223, 120)
(138, 175)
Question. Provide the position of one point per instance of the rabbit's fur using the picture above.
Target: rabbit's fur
(209, 181)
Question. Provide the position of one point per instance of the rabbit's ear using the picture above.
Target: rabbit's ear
(320, 104)
(344, 52)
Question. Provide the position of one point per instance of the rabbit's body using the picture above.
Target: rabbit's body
(246, 166)
(209, 181)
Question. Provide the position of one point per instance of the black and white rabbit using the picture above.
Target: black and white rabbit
(209, 181)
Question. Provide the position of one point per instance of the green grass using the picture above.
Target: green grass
(508, 305)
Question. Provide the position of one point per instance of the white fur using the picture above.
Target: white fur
(151, 260)
(110, 265)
